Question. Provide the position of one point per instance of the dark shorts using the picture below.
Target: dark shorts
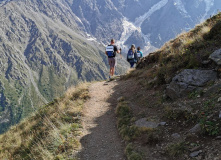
(112, 62)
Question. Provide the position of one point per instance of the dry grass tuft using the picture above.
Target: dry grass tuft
(187, 51)
(50, 133)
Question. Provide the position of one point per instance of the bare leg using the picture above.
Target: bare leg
(110, 71)
(113, 71)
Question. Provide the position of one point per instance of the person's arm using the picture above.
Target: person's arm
(106, 52)
(116, 49)
(135, 56)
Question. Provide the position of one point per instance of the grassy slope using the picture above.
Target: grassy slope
(53, 132)
(188, 50)
(149, 80)
(50, 133)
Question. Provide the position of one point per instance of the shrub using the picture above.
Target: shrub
(176, 149)
(211, 128)
(131, 154)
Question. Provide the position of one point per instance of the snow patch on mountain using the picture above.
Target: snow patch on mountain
(139, 21)
(209, 5)
(179, 5)
(129, 28)
(91, 38)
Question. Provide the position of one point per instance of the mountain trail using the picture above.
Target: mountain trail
(101, 140)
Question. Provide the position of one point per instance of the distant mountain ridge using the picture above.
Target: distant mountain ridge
(154, 22)
(47, 46)
(43, 51)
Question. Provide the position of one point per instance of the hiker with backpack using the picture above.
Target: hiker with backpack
(111, 51)
(139, 54)
(132, 56)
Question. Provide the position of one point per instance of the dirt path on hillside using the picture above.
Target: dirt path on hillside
(101, 140)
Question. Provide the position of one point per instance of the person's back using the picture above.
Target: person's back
(132, 56)
(139, 54)
(111, 51)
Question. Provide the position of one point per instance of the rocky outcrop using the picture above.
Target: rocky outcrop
(143, 122)
(216, 57)
(189, 80)
(147, 124)
(196, 129)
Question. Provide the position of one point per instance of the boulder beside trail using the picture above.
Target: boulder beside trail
(216, 56)
(144, 123)
(196, 129)
(189, 80)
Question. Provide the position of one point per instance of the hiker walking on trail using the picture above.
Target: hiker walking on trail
(139, 54)
(111, 51)
(132, 56)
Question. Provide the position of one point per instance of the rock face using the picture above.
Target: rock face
(175, 136)
(196, 129)
(137, 39)
(144, 123)
(196, 153)
(216, 56)
(189, 80)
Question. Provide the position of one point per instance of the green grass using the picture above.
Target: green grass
(176, 149)
(210, 127)
(127, 130)
(131, 154)
(50, 84)
(50, 133)
(187, 51)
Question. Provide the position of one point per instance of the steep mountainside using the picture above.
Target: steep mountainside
(47, 46)
(154, 22)
(168, 108)
(176, 113)
(51, 133)
(43, 52)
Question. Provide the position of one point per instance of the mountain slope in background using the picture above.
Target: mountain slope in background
(169, 109)
(47, 46)
(43, 51)
(154, 22)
